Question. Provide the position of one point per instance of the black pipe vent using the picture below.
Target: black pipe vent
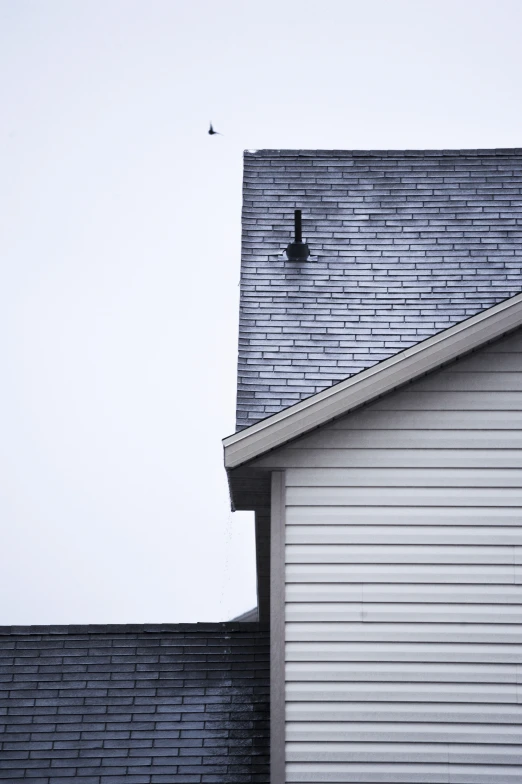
(298, 250)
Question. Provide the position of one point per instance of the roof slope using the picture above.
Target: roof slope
(406, 244)
(250, 616)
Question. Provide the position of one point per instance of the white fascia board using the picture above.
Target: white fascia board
(277, 430)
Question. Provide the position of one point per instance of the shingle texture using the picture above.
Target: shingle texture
(134, 704)
(404, 245)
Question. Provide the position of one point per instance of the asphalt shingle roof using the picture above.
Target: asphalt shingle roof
(404, 244)
(137, 704)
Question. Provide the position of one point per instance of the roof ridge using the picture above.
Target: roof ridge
(461, 151)
(130, 628)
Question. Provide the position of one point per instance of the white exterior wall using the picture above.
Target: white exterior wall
(403, 583)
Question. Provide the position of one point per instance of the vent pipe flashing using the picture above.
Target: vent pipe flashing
(297, 250)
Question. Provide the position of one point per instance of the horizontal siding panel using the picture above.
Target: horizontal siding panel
(317, 612)
(497, 362)
(404, 477)
(412, 439)
(441, 613)
(403, 632)
(407, 496)
(400, 573)
(411, 516)
(505, 345)
(337, 457)
(497, 653)
(490, 774)
(393, 593)
(434, 420)
(400, 672)
(402, 692)
(483, 381)
(485, 754)
(348, 612)
(304, 535)
(398, 554)
(382, 731)
(449, 401)
(341, 592)
(401, 773)
(408, 711)
(366, 774)
(403, 613)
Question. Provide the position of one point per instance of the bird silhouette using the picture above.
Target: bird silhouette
(212, 132)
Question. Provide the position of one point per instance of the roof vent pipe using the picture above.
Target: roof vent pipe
(297, 250)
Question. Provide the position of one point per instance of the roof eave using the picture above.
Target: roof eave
(277, 430)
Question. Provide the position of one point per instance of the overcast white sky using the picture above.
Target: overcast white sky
(119, 240)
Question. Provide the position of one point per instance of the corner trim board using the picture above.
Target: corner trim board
(276, 430)
(277, 629)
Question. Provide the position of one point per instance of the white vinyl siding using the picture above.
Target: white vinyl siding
(403, 583)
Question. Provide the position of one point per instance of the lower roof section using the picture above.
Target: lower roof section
(138, 703)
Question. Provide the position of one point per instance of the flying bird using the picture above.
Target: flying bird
(212, 132)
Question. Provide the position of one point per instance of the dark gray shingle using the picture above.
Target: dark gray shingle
(405, 243)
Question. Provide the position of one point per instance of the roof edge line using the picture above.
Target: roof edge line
(445, 346)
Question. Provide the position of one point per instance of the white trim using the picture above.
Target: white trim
(277, 628)
(369, 384)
